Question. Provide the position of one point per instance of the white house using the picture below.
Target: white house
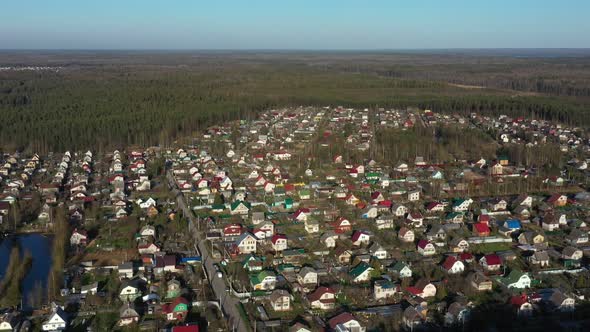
(57, 321)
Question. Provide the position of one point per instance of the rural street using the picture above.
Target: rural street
(229, 304)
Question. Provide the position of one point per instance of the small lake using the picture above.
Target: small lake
(40, 247)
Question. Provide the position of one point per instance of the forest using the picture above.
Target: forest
(107, 100)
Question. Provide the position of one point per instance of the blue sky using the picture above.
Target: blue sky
(302, 24)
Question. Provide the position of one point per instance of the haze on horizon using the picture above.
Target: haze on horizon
(306, 24)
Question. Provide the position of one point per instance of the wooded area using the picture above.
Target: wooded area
(104, 101)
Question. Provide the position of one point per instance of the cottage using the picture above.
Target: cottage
(279, 242)
(246, 243)
(516, 279)
(177, 310)
(280, 300)
(479, 281)
(361, 272)
(426, 248)
(383, 289)
(323, 298)
(452, 265)
(78, 238)
(307, 276)
(557, 200)
(127, 315)
(406, 235)
(57, 321)
(359, 238)
(345, 322)
(263, 280)
(491, 262)
(401, 269)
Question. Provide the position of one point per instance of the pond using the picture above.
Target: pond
(40, 247)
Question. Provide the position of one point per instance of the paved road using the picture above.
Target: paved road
(228, 302)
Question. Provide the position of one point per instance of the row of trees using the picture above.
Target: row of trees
(11, 284)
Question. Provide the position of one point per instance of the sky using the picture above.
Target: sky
(296, 24)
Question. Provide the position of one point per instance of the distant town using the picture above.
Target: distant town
(304, 219)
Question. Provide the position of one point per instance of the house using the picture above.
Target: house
(436, 232)
(540, 258)
(323, 298)
(479, 281)
(434, 207)
(240, 208)
(127, 315)
(89, 289)
(516, 279)
(576, 237)
(491, 262)
(329, 239)
(232, 231)
(415, 219)
(148, 248)
(57, 321)
(343, 255)
(414, 195)
(496, 169)
(147, 231)
(342, 225)
(246, 243)
(377, 251)
(257, 217)
(399, 210)
(550, 223)
(173, 289)
(413, 317)
(360, 238)
(459, 245)
(531, 238)
(79, 237)
(452, 265)
(456, 313)
(361, 272)
(312, 226)
(454, 218)
(177, 310)
(370, 212)
(280, 300)
(571, 253)
(498, 204)
(263, 280)
(524, 308)
(345, 322)
(401, 269)
(423, 288)
(9, 321)
(307, 276)
(130, 290)
(279, 242)
(557, 300)
(253, 263)
(406, 235)
(557, 200)
(126, 270)
(523, 200)
(426, 248)
(384, 221)
(512, 224)
(383, 289)
(462, 205)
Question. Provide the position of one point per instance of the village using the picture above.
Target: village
(313, 219)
